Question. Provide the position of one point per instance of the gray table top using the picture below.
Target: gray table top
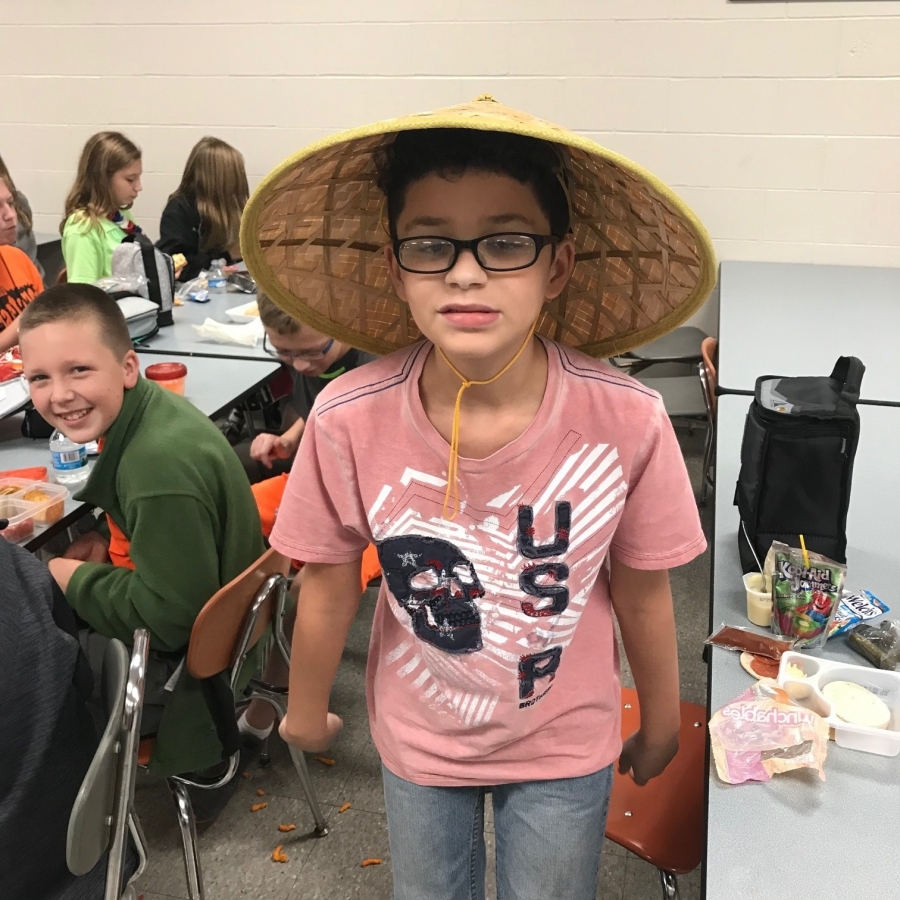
(682, 344)
(860, 800)
(180, 339)
(794, 319)
(46, 237)
(213, 385)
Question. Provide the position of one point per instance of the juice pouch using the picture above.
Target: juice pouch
(805, 598)
(762, 732)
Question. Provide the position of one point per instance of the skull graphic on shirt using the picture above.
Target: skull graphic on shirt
(438, 586)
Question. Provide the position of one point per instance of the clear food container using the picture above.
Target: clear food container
(30, 506)
(169, 375)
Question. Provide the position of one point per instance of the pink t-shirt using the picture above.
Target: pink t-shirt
(493, 656)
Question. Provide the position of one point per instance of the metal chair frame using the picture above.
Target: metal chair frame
(277, 696)
(708, 476)
(120, 741)
(272, 694)
(131, 738)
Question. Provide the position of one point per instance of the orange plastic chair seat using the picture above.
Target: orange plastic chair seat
(663, 822)
(145, 750)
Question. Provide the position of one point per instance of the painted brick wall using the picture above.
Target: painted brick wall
(779, 122)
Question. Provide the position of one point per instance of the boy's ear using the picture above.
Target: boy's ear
(132, 369)
(395, 272)
(561, 267)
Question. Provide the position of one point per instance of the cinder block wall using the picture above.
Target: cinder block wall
(778, 121)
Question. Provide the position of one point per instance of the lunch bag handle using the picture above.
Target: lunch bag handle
(848, 372)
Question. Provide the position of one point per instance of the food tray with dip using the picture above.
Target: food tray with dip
(820, 685)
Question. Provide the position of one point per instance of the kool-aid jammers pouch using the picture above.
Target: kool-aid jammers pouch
(806, 593)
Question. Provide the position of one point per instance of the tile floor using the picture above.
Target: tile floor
(236, 850)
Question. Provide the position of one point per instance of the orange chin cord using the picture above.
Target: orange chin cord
(453, 463)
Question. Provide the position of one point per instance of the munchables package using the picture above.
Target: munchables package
(762, 732)
(805, 598)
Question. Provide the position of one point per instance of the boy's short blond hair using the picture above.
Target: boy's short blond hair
(274, 318)
(75, 302)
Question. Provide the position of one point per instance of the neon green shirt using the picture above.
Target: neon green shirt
(88, 248)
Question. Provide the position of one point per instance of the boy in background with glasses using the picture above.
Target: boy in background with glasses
(314, 361)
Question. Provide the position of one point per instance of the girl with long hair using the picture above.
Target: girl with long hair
(202, 219)
(98, 207)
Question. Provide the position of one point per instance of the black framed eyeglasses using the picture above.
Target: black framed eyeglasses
(500, 252)
(290, 355)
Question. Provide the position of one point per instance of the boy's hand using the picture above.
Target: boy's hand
(90, 547)
(266, 448)
(645, 759)
(311, 740)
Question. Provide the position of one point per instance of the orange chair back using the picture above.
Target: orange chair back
(709, 350)
(218, 628)
(663, 822)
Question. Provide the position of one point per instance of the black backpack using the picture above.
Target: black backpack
(799, 444)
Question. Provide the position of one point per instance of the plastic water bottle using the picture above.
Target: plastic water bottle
(216, 278)
(70, 462)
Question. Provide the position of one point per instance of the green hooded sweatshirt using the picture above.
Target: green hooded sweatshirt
(176, 489)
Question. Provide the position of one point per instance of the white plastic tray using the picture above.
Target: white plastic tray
(819, 672)
(241, 314)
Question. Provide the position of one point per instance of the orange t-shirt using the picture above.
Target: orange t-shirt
(20, 283)
(119, 544)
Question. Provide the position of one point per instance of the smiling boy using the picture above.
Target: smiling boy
(178, 505)
(520, 493)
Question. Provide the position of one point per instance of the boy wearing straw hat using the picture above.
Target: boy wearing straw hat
(519, 491)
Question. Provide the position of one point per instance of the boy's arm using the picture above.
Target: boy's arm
(642, 600)
(329, 599)
(176, 571)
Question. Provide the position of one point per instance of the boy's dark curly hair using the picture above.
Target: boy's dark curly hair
(449, 152)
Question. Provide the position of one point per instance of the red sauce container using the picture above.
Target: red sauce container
(170, 375)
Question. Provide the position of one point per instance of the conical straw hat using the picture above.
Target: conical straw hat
(313, 232)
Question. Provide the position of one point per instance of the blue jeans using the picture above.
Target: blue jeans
(549, 836)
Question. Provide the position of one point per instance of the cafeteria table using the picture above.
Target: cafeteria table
(181, 339)
(213, 386)
(796, 836)
(797, 319)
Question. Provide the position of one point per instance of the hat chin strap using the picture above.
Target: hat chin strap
(453, 462)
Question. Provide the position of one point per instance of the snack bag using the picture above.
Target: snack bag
(805, 599)
(856, 608)
(762, 732)
(880, 646)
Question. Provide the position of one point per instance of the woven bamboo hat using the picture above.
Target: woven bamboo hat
(312, 236)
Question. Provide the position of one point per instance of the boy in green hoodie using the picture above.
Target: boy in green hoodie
(181, 516)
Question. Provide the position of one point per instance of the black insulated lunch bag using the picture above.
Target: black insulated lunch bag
(800, 440)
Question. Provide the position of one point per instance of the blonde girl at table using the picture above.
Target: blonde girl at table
(203, 216)
(98, 208)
